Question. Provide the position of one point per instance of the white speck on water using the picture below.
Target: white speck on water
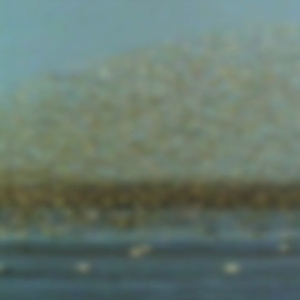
(83, 267)
(232, 268)
(139, 251)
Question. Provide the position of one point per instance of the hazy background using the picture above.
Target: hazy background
(56, 35)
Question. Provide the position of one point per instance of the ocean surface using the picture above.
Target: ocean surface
(211, 255)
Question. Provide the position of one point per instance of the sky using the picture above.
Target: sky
(39, 36)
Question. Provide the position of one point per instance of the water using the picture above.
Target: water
(182, 262)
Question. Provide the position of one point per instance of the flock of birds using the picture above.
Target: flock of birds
(160, 126)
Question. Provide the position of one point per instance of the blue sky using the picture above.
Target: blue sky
(37, 36)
